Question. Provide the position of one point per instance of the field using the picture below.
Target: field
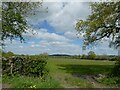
(66, 73)
(72, 73)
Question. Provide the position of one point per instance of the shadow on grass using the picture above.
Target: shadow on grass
(86, 69)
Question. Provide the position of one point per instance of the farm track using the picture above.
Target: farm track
(63, 82)
(4, 86)
(91, 79)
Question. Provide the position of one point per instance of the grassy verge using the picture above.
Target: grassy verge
(111, 81)
(0, 79)
(30, 82)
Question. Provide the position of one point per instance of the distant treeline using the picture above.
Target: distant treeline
(59, 55)
(88, 57)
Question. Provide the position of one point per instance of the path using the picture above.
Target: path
(4, 86)
(92, 79)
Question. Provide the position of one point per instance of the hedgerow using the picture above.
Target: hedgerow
(25, 65)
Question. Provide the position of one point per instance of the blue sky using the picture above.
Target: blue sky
(54, 31)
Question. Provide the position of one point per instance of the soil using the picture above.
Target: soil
(4, 86)
(91, 79)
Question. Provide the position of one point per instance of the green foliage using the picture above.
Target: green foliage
(68, 70)
(91, 55)
(44, 56)
(113, 77)
(116, 70)
(64, 71)
(8, 54)
(102, 57)
(84, 56)
(30, 82)
(29, 66)
(102, 23)
(83, 67)
(14, 23)
(114, 81)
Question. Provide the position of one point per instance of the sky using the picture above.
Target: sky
(52, 30)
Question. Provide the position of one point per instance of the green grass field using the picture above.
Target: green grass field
(79, 66)
(64, 70)
(64, 73)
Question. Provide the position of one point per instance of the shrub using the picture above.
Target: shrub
(116, 69)
(114, 58)
(28, 65)
(91, 55)
(7, 54)
(84, 56)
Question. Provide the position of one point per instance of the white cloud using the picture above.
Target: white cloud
(62, 17)
(102, 49)
(72, 35)
(61, 47)
(52, 47)
(21, 46)
(31, 42)
(64, 20)
(43, 34)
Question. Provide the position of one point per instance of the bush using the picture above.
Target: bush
(114, 58)
(102, 57)
(84, 56)
(28, 65)
(116, 70)
(7, 54)
(91, 55)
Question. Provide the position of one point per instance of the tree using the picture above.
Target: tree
(14, 23)
(8, 54)
(104, 22)
(84, 56)
(91, 55)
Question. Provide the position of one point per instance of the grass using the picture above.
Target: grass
(30, 82)
(111, 81)
(65, 65)
(62, 71)
(0, 79)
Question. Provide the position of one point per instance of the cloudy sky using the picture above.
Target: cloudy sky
(54, 31)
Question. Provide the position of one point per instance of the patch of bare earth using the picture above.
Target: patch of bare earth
(4, 86)
(92, 79)
(64, 83)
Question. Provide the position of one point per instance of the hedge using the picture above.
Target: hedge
(29, 66)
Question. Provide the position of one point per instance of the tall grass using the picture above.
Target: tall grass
(30, 82)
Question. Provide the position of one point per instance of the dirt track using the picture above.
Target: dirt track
(4, 86)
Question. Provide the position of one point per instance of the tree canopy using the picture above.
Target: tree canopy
(104, 22)
(91, 55)
(14, 23)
